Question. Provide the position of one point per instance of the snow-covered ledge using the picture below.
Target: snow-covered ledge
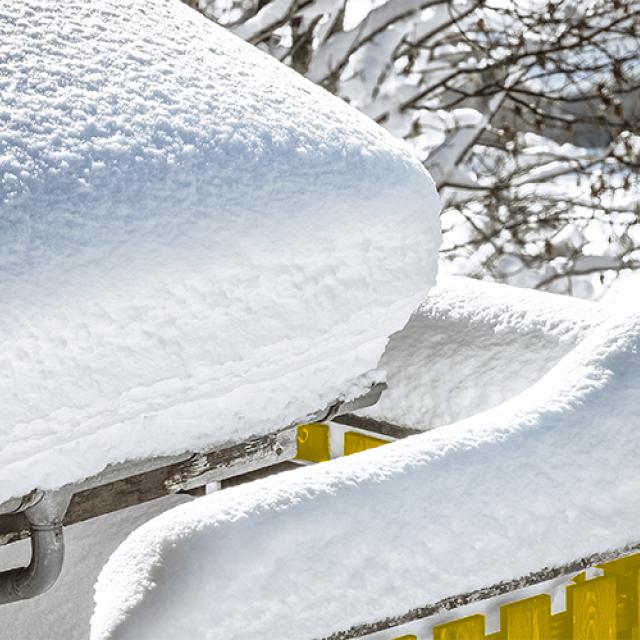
(202, 245)
(472, 345)
(544, 478)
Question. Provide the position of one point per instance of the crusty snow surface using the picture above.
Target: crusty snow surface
(472, 345)
(546, 477)
(197, 244)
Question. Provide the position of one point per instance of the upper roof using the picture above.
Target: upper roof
(197, 244)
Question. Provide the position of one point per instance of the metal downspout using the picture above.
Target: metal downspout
(47, 550)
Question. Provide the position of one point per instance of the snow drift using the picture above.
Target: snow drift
(472, 345)
(544, 478)
(197, 243)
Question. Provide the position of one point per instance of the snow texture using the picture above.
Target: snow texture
(472, 345)
(546, 477)
(197, 243)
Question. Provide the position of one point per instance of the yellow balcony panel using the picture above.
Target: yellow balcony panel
(357, 442)
(592, 609)
(529, 618)
(313, 442)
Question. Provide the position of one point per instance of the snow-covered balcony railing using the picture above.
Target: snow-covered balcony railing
(542, 485)
(604, 607)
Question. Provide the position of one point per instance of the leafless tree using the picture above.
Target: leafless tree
(526, 113)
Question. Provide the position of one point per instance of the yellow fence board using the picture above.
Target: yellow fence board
(592, 609)
(529, 618)
(313, 442)
(626, 571)
(471, 628)
(602, 608)
(356, 442)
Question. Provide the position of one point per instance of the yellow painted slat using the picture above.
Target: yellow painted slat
(529, 618)
(626, 571)
(635, 630)
(592, 609)
(313, 443)
(559, 626)
(471, 628)
(627, 566)
(356, 442)
(406, 638)
(603, 608)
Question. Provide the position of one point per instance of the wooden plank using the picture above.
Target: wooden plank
(136, 481)
(225, 463)
(625, 571)
(559, 626)
(529, 618)
(375, 426)
(313, 442)
(591, 609)
(356, 442)
(183, 476)
(470, 628)
(622, 567)
(104, 499)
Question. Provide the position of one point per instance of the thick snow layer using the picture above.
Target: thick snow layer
(472, 345)
(197, 244)
(544, 478)
(64, 612)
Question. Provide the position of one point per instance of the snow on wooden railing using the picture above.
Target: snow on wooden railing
(606, 607)
(601, 608)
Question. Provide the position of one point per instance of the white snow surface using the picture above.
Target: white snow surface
(546, 477)
(197, 244)
(472, 345)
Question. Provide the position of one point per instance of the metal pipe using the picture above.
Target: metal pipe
(47, 550)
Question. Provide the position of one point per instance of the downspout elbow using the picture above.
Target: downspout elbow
(47, 551)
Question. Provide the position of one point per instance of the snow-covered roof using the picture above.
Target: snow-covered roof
(472, 345)
(543, 479)
(197, 243)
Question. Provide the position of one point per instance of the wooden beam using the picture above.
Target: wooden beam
(179, 477)
(376, 426)
(124, 485)
(242, 458)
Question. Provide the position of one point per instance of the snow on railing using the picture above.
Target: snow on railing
(603, 608)
(606, 607)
